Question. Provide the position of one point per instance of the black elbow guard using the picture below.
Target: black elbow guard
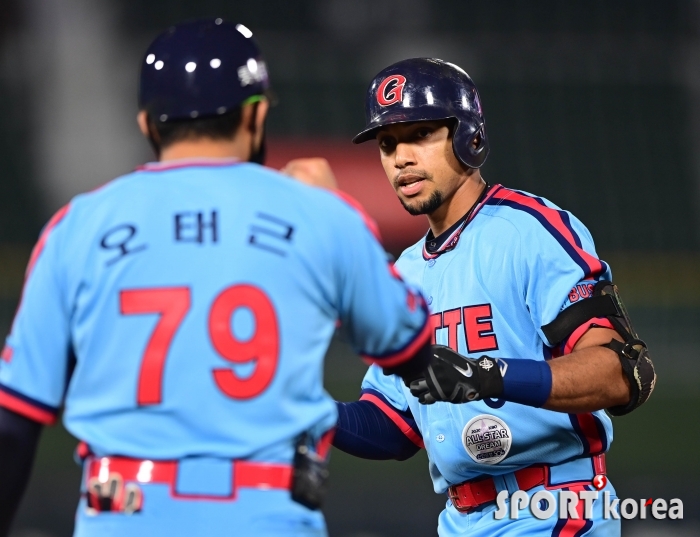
(639, 370)
(634, 357)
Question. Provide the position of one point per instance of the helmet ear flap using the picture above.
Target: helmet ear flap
(470, 144)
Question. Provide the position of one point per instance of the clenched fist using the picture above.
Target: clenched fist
(454, 378)
(311, 171)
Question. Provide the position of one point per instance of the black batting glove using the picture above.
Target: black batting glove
(452, 378)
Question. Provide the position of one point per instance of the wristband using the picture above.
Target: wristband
(528, 382)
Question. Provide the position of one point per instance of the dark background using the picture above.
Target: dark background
(592, 104)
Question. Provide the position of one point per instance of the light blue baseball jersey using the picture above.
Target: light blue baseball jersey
(185, 309)
(503, 273)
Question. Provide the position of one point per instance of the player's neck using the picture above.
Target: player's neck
(206, 148)
(455, 207)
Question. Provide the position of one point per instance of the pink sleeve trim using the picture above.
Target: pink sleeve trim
(394, 416)
(576, 335)
(25, 409)
(405, 354)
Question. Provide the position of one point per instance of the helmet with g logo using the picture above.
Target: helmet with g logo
(428, 89)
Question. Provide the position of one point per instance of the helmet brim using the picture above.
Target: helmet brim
(370, 132)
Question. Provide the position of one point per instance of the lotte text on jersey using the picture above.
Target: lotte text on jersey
(506, 271)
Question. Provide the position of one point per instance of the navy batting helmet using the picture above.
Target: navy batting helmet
(201, 68)
(428, 89)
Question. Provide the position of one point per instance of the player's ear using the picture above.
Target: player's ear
(259, 108)
(261, 114)
(142, 120)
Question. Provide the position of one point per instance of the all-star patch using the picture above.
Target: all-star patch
(487, 439)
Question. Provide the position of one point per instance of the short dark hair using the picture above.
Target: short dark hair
(222, 127)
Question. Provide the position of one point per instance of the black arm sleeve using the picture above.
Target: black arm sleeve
(364, 431)
(19, 437)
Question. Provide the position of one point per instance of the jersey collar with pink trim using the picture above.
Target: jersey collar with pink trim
(446, 241)
(187, 163)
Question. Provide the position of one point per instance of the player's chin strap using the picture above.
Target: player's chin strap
(634, 357)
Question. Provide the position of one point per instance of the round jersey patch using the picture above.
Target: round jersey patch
(487, 439)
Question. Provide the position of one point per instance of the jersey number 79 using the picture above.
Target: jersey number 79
(173, 303)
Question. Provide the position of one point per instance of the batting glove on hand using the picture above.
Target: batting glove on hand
(452, 378)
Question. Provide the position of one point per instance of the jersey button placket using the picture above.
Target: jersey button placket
(432, 275)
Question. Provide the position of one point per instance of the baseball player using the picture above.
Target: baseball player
(180, 315)
(533, 340)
